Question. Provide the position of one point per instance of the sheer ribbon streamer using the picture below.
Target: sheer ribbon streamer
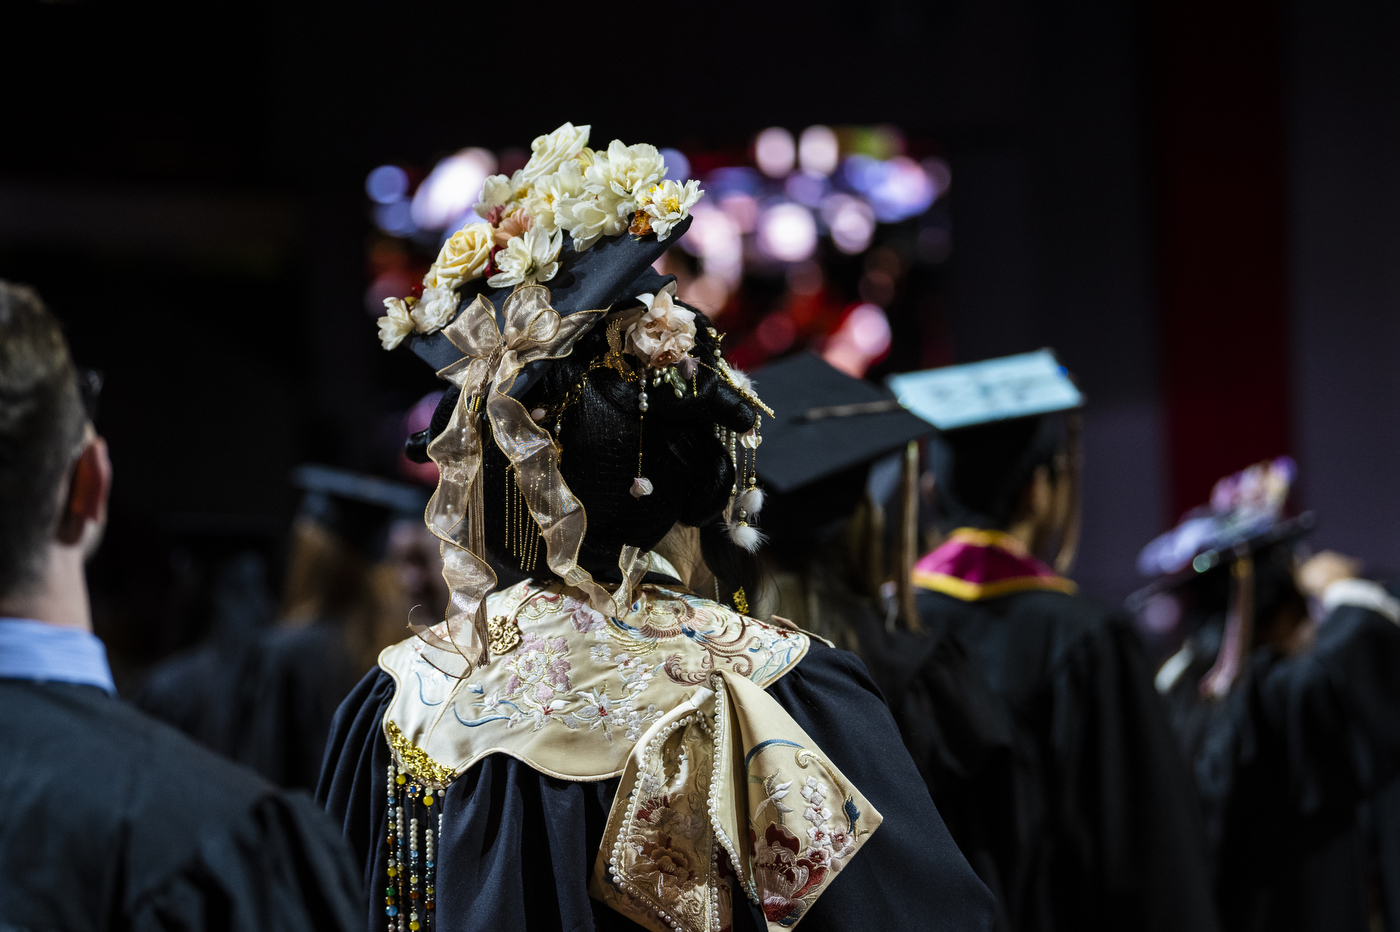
(533, 331)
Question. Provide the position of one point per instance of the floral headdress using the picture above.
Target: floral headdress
(619, 210)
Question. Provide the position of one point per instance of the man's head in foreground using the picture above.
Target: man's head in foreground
(54, 470)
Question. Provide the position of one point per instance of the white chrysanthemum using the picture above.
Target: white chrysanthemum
(591, 216)
(500, 191)
(549, 193)
(553, 149)
(462, 258)
(435, 309)
(667, 204)
(530, 257)
(396, 324)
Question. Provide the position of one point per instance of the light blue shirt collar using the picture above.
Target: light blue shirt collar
(33, 650)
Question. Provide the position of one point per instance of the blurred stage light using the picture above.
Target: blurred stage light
(806, 189)
(902, 189)
(446, 196)
(862, 338)
(939, 173)
(804, 278)
(716, 239)
(851, 222)
(394, 283)
(787, 232)
(396, 219)
(733, 179)
(776, 333)
(387, 184)
(818, 150)
(775, 152)
(677, 165)
(742, 209)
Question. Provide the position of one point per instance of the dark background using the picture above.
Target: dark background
(1196, 203)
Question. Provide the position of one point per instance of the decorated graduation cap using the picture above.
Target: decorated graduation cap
(564, 244)
(1246, 514)
(1245, 519)
(992, 390)
(355, 507)
(999, 420)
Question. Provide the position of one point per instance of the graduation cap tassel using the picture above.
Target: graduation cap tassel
(907, 536)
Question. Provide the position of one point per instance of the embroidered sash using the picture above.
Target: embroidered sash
(720, 788)
(975, 564)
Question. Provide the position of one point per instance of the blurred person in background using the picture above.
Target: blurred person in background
(1289, 723)
(1098, 826)
(113, 820)
(264, 696)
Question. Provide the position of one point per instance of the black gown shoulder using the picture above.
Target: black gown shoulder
(115, 821)
(517, 846)
(1081, 812)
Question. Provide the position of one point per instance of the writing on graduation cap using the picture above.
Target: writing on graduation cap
(991, 390)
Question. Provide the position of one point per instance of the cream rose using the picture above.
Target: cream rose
(553, 149)
(665, 334)
(549, 194)
(462, 258)
(396, 324)
(591, 216)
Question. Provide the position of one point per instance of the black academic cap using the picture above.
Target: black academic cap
(827, 422)
(614, 269)
(355, 507)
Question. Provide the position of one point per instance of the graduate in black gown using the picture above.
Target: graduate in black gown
(111, 819)
(264, 695)
(1289, 724)
(1098, 828)
(842, 515)
(603, 746)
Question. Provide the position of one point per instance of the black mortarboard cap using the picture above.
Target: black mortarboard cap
(355, 507)
(827, 422)
(614, 269)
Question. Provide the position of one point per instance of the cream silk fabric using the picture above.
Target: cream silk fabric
(532, 331)
(722, 793)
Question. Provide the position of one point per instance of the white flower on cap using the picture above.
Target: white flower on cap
(665, 334)
(396, 324)
(531, 257)
(552, 150)
(435, 309)
(667, 204)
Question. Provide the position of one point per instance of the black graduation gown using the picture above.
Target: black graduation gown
(112, 821)
(265, 701)
(1283, 764)
(517, 846)
(1079, 811)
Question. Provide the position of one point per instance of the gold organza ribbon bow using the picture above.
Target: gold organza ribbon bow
(493, 360)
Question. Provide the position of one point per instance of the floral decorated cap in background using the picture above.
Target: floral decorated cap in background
(1246, 508)
(565, 243)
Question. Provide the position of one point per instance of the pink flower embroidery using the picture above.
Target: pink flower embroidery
(784, 875)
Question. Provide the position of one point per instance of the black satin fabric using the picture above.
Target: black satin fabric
(265, 700)
(517, 846)
(1283, 765)
(1034, 717)
(112, 821)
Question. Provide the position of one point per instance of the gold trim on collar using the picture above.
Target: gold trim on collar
(973, 592)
